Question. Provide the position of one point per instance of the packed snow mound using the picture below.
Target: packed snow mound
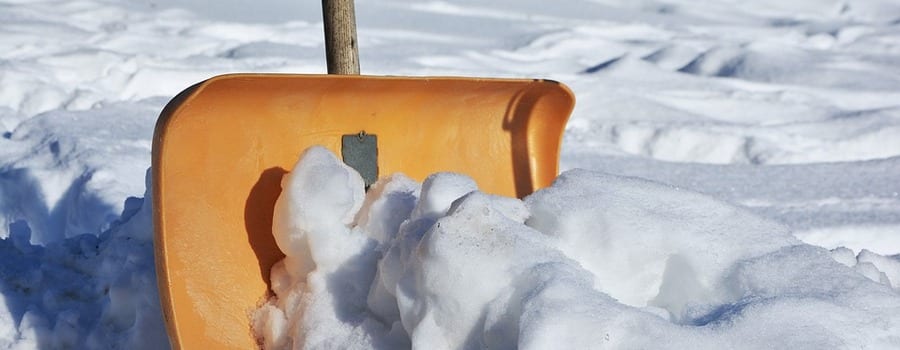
(594, 260)
(83, 292)
(62, 172)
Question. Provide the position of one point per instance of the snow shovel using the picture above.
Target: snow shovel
(221, 147)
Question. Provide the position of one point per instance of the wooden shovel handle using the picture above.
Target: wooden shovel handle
(340, 37)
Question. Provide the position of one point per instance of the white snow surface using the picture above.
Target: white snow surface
(596, 260)
(786, 113)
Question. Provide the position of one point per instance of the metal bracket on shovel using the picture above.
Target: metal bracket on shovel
(360, 152)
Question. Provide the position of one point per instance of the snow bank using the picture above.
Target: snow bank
(64, 172)
(594, 260)
(83, 292)
(854, 205)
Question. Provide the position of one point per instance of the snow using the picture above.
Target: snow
(595, 259)
(84, 291)
(785, 113)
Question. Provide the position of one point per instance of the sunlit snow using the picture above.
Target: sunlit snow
(732, 174)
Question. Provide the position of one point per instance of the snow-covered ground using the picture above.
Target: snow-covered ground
(788, 109)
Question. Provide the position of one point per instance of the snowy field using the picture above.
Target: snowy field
(784, 115)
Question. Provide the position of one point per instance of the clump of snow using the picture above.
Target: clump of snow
(331, 198)
(593, 260)
(878, 268)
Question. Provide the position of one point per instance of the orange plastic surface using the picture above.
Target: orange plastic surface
(222, 146)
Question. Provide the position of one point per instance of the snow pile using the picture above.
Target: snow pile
(62, 172)
(594, 260)
(77, 244)
(83, 292)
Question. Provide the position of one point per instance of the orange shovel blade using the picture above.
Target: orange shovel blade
(222, 146)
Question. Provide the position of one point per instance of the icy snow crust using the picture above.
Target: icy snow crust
(596, 260)
(785, 108)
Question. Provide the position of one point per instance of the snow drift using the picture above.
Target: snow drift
(594, 260)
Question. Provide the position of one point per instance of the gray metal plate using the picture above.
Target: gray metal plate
(360, 152)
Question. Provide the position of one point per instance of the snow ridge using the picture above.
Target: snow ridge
(594, 259)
